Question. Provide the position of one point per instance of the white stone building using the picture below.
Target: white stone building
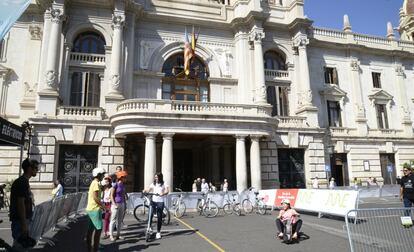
(101, 82)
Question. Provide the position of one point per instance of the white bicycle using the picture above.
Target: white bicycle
(178, 205)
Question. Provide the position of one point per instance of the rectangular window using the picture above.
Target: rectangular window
(376, 79)
(331, 75)
(271, 99)
(85, 89)
(334, 114)
(283, 101)
(382, 118)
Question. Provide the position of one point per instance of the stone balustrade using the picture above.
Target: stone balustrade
(86, 59)
(336, 36)
(342, 131)
(80, 113)
(199, 108)
(276, 75)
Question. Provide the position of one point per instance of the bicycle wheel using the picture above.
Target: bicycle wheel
(210, 209)
(227, 209)
(180, 210)
(200, 207)
(261, 208)
(166, 216)
(141, 213)
(247, 206)
(237, 209)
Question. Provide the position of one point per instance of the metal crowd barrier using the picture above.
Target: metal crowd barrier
(49, 214)
(191, 198)
(379, 229)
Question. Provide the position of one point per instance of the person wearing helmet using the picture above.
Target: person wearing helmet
(284, 215)
(118, 200)
(94, 210)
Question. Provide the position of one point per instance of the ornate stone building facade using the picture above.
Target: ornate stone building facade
(270, 101)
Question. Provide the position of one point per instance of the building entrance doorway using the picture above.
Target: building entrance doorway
(339, 169)
(291, 168)
(387, 162)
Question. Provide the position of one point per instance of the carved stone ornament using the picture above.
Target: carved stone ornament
(256, 36)
(360, 110)
(57, 15)
(51, 79)
(301, 41)
(118, 21)
(115, 80)
(399, 70)
(146, 50)
(406, 112)
(35, 32)
(29, 91)
(354, 65)
(307, 95)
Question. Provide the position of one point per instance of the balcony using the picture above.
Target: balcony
(278, 76)
(80, 113)
(385, 133)
(86, 59)
(342, 132)
(142, 115)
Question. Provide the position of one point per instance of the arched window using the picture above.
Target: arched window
(89, 42)
(274, 61)
(177, 86)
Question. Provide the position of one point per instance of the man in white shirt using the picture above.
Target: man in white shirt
(204, 186)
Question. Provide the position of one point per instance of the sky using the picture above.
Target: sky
(366, 16)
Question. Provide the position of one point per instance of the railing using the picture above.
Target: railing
(342, 131)
(87, 58)
(80, 113)
(328, 33)
(371, 39)
(185, 107)
(276, 75)
(292, 122)
(384, 132)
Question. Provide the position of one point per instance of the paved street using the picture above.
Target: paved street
(223, 233)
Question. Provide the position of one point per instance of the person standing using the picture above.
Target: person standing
(194, 186)
(118, 200)
(160, 190)
(315, 183)
(21, 203)
(407, 189)
(204, 186)
(94, 209)
(58, 190)
(198, 184)
(225, 186)
(332, 183)
(106, 199)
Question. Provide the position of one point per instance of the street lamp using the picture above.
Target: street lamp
(28, 136)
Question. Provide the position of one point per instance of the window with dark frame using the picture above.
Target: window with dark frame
(334, 114)
(331, 75)
(376, 79)
(177, 86)
(382, 118)
(85, 89)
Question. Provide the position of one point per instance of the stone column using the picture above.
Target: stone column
(150, 158)
(305, 106)
(404, 108)
(167, 159)
(255, 165)
(52, 73)
(241, 168)
(48, 94)
(242, 49)
(256, 37)
(118, 21)
(360, 118)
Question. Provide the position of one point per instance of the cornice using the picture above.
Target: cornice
(179, 38)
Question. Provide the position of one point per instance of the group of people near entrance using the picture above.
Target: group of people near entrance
(107, 197)
(200, 185)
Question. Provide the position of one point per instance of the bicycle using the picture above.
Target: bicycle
(178, 205)
(207, 207)
(141, 211)
(232, 206)
(258, 204)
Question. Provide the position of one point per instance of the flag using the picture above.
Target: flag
(10, 11)
(188, 53)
